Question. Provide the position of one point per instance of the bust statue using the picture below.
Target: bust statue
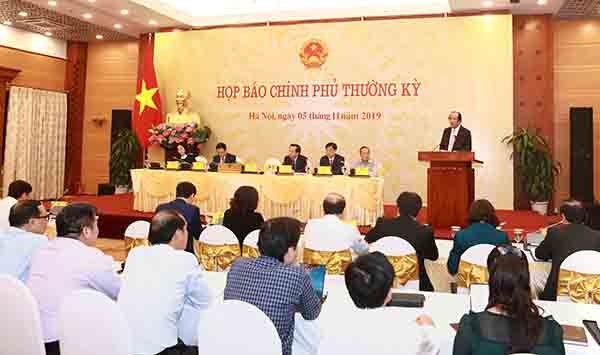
(183, 113)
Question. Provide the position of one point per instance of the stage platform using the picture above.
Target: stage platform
(116, 213)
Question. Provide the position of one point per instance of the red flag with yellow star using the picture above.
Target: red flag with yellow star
(147, 108)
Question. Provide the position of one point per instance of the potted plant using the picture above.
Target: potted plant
(535, 166)
(123, 153)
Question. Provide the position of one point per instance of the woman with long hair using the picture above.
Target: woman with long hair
(241, 217)
(511, 323)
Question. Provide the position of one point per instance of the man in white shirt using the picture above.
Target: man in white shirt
(330, 233)
(28, 221)
(365, 161)
(162, 284)
(18, 190)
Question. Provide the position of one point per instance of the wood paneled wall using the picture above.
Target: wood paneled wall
(37, 71)
(111, 84)
(577, 84)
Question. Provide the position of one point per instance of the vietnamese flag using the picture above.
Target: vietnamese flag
(147, 108)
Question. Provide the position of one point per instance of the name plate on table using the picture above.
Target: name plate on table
(230, 168)
(324, 170)
(199, 165)
(173, 165)
(285, 169)
(362, 171)
(250, 168)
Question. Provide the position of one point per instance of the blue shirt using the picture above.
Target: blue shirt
(476, 233)
(17, 246)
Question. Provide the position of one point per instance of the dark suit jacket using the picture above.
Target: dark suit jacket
(476, 233)
(561, 242)
(191, 213)
(241, 225)
(299, 166)
(461, 142)
(189, 158)
(216, 160)
(419, 236)
(338, 164)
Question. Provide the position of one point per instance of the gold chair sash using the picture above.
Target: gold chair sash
(217, 257)
(335, 261)
(406, 268)
(131, 243)
(250, 252)
(580, 287)
(471, 274)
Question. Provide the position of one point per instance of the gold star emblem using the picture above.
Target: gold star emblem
(145, 97)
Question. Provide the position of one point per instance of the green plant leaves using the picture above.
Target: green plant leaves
(124, 150)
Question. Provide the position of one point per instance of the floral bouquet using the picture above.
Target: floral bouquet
(170, 136)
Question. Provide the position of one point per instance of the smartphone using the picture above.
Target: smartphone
(592, 327)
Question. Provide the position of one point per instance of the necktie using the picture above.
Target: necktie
(330, 161)
(452, 139)
(294, 164)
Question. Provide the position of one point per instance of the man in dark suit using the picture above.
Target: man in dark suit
(456, 137)
(185, 193)
(332, 159)
(405, 226)
(298, 161)
(222, 157)
(564, 240)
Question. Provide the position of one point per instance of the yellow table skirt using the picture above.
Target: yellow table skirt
(296, 196)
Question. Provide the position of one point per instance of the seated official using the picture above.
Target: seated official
(241, 217)
(184, 204)
(406, 227)
(330, 233)
(363, 330)
(298, 161)
(563, 240)
(184, 156)
(511, 323)
(68, 263)
(28, 220)
(18, 190)
(481, 230)
(456, 137)
(160, 283)
(365, 161)
(222, 157)
(332, 159)
(272, 282)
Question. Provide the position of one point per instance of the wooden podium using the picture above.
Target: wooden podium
(450, 187)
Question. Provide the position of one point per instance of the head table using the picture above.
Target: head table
(300, 196)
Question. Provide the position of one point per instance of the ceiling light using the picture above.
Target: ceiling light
(92, 0)
(87, 15)
(52, 3)
(48, 33)
(487, 3)
(7, 23)
(99, 37)
(542, 2)
(23, 14)
(124, 12)
(152, 23)
(117, 26)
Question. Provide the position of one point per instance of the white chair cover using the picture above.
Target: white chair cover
(478, 255)
(273, 162)
(251, 239)
(583, 261)
(20, 328)
(394, 246)
(91, 323)
(233, 327)
(322, 236)
(217, 235)
(138, 230)
(239, 160)
(202, 159)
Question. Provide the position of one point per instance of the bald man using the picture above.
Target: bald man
(456, 137)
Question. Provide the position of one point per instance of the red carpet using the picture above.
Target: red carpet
(116, 212)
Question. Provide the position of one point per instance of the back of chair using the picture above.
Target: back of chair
(250, 245)
(217, 248)
(403, 257)
(91, 323)
(472, 268)
(579, 278)
(243, 320)
(202, 159)
(136, 234)
(20, 328)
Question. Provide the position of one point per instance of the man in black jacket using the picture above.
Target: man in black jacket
(405, 226)
(564, 240)
(298, 161)
(222, 157)
(456, 137)
(332, 159)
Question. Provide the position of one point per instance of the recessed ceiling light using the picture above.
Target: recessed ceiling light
(117, 25)
(7, 23)
(92, 0)
(152, 23)
(87, 15)
(48, 33)
(99, 37)
(487, 3)
(23, 14)
(52, 3)
(124, 12)
(542, 2)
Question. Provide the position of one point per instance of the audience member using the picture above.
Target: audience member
(160, 283)
(272, 282)
(69, 263)
(369, 280)
(241, 217)
(28, 221)
(563, 240)
(184, 204)
(330, 233)
(481, 230)
(511, 323)
(332, 159)
(407, 227)
(18, 190)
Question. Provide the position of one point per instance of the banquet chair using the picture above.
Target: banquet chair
(323, 249)
(20, 327)
(239, 160)
(250, 245)
(403, 258)
(136, 234)
(472, 268)
(579, 278)
(202, 159)
(91, 323)
(217, 248)
(254, 332)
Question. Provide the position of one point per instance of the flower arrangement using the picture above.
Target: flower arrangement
(169, 136)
